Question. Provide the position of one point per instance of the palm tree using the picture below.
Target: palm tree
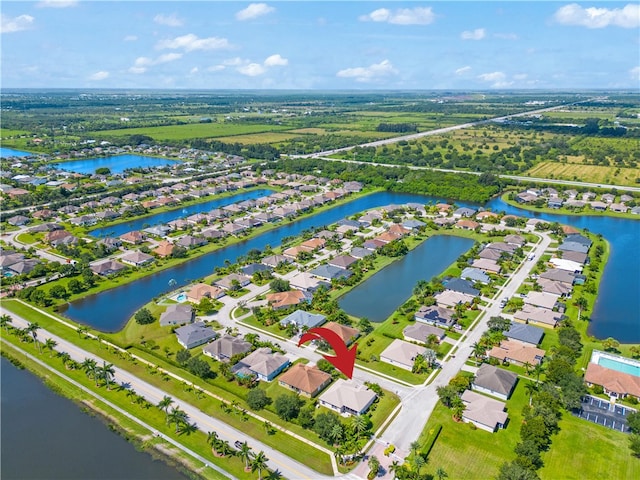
(90, 368)
(478, 349)
(359, 425)
(107, 372)
(131, 393)
(5, 320)
(415, 446)
(178, 417)
(531, 388)
(188, 428)
(458, 410)
(582, 304)
(538, 368)
(224, 448)
(275, 475)
(165, 403)
(259, 463)
(65, 357)
(245, 454)
(50, 344)
(394, 467)
(213, 440)
(441, 474)
(32, 329)
(527, 367)
(417, 462)
(335, 435)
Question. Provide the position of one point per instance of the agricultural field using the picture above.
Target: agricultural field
(585, 173)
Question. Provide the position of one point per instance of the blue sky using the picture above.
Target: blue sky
(320, 45)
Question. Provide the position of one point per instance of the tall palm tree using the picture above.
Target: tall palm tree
(50, 344)
(32, 329)
(259, 463)
(531, 388)
(527, 367)
(415, 446)
(107, 372)
(178, 417)
(224, 448)
(417, 462)
(336, 433)
(441, 474)
(131, 393)
(359, 425)
(245, 454)
(90, 368)
(65, 357)
(395, 467)
(5, 320)
(213, 440)
(478, 349)
(188, 428)
(165, 403)
(274, 475)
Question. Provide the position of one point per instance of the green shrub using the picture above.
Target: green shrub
(431, 439)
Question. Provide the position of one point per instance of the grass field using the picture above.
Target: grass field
(585, 173)
(195, 130)
(253, 138)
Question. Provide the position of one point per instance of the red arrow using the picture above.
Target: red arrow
(344, 359)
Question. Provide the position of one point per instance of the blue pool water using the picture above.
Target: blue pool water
(182, 297)
(619, 366)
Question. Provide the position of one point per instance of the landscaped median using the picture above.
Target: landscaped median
(208, 402)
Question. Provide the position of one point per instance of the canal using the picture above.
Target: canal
(45, 436)
(379, 296)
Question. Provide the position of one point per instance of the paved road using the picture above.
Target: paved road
(10, 238)
(277, 460)
(410, 422)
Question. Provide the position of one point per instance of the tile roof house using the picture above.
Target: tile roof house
(494, 381)
(107, 267)
(275, 260)
(347, 398)
(541, 299)
(516, 352)
(487, 265)
(538, 316)
(527, 334)
(301, 318)
(194, 334)
(401, 354)
(419, 332)
(228, 281)
(263, 363)
(615, 384)
(307, 282)
(226, 347)
(484, 412)
(449, 298)
(287, 299)
(176, 314)
(164, 248)
(134, 237)
(435, 315)
(558, 275)
(342, 261)
(201, 290)
(137, 258)
(553, 287)
(254, 268)
(359, 252)
(347, 334)
(305, 380)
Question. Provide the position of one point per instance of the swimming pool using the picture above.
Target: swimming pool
(619, 366)
(182, 297)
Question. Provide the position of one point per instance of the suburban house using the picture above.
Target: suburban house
(137, 258)
(263, 363)
(134, 237)
(164, 248)
(461, 286)
(253, 268)
(313, 244)
(402, 354)
(484, 412)
(475, 275)
(329, 272)
(615, 383)
(194, 334)
(347, 334)
(419, 332)
(305, 380)
(307, 282)
(275, 260)
(527, 334)
(558, 275)
(553, 287)
(435, 315)
(359, 252)
(342, 261)
(287, 299)
(347, 398)
(226, 347)
(487, 265)
(449, 298)
(541, 299)
(494, 381)
(227, 282)
(464, 212)
(201, 290)
(176, 314)
(107, 267)
(302, 319)
(538, 316)
(189, 241)
(516, 352)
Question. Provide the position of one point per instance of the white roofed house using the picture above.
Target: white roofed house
(347, 398)
(484, 412)
(402, 354)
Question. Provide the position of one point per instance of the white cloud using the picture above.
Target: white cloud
(497, 79)
(194, 70)
(57, 3)
(191, 42)
(463, 70)
(15, 24)
(143, 63)
(252, 69)
(634, 73)
(366, 74)
(276, 61)
(234, 62)
(592, 17)
(520, 76)
(130, 38)
(216, 68)
(168, 20)
(254, 10)
(101, 75)
(401, 16)
(477, 34)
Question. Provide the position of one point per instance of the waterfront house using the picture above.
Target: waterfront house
(527, 334)
(137, 258)
(464, 212)
(329, 272)
(106, 267)
(189, 241)
(541, 299)
(553, 287)
(615, 383)
(347, 398)
(449, 298)
(254, 268)
(177, 314)
(484, 412)
(201, 290)
(263, 363)
(225, 347)
(164, 249)
(402, 354)
(346, 334)
(467, 224)
(557, 275)
(436, 315)
(494, 381)
(281, 300)
(359, 252)
(305, 380)
(302, 319)
(566, 264)
(228, 281)
(343, 261)
(275, 260)
(475, 275)
(419, 332)
(307, 282)
(134, 237)
(461, 286)
(194, 334)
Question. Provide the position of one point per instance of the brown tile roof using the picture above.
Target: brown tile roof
(164, 248)
(347, 334)
(285, 299)
(612, 380)
(305, 378)
(518, 352)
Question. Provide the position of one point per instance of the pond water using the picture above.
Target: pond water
(45, 436)
(381, 294)
(11, 152)
(116, 163)
(165, 217)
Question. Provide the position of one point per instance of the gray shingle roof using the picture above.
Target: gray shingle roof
(525, 333)
(495, 379)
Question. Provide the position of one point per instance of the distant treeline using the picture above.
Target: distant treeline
(470, 188)
(397, 127)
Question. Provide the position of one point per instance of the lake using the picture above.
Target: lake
(381, 294)
(46, 436)
(165, 217)
(10, 152)
(616, 314)
(116, 163)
